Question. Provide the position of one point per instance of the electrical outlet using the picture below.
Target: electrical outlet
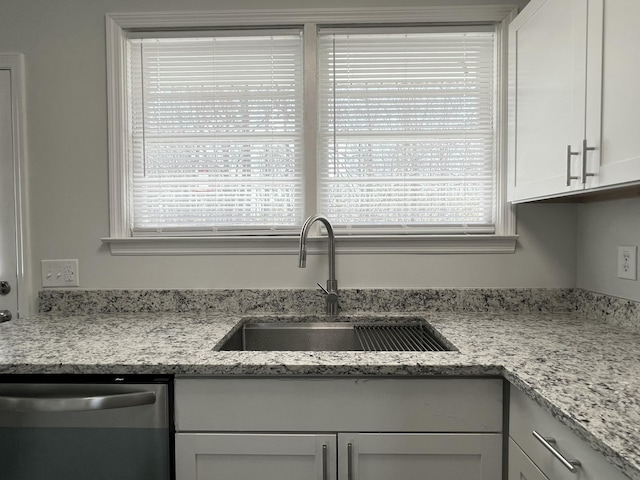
(60, 273)
(627, 263)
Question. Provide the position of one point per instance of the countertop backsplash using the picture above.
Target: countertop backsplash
(617, 311)
(300, 301)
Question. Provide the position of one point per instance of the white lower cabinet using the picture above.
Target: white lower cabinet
(384, 456)
(348, 456)
(229, 456)
(298, 429)
(531, 459)
(520, 466)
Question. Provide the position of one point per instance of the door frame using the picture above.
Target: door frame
(14, 63)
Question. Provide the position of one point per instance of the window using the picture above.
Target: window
(242, 132)
(215, 133)
(407, 129)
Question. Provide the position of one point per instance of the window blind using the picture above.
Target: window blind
(406, 123)
(215, 133)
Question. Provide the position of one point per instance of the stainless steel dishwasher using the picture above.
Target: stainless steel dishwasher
(113, 428)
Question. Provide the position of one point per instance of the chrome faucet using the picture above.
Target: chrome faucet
(332, 284)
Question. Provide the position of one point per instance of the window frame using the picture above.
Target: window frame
(118, 26)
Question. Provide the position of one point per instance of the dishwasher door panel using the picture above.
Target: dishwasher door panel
(84, 453)
(108, 431)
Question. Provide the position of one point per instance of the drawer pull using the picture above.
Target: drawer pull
(547, 443)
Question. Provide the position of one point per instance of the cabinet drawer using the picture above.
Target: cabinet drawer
(525, 416)
(520, 466)
(330, 404)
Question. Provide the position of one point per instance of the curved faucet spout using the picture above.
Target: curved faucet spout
(304, 233)
(332, 283)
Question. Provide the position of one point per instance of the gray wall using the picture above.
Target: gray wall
(64, 45)
(602, 226)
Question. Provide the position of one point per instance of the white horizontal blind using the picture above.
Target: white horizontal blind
(406, 137)
(215, 129)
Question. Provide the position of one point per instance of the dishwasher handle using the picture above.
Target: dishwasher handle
(57, 403)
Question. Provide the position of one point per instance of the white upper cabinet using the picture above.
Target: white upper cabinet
(574, 106)
(547, 94)
(613, 106)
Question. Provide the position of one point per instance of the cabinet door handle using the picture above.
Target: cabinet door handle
(569, 155)
(324, 462)
(586, 149)
(350, 461)
(571, 465)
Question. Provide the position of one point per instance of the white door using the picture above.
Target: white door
(229, 456)
(8, 246)
(417, 456)
(548, 48)
(613, 100)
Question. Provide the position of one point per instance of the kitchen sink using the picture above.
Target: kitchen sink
(337, 336)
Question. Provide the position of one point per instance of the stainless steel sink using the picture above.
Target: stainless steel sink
(336, 336)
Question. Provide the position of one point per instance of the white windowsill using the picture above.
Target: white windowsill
(288, 245)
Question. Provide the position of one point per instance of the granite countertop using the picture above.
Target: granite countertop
(584, 371)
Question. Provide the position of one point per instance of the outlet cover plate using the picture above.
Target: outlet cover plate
(627, 262)
(60, 273)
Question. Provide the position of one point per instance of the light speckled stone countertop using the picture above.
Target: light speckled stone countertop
(585, 372)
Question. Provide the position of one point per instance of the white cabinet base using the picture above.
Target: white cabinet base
(370, 456)
(520, 466)
(384, 456)
(301, 429)
(525, 416)
(220, 456)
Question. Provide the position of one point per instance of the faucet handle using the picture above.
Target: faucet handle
(332, 297)
(332, 287)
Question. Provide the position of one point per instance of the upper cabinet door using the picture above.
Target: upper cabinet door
(547, 89)
(613, 96)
